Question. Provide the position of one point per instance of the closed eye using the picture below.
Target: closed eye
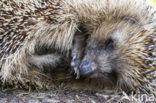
(108, 45)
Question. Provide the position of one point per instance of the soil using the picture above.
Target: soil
(56, 96)
(62, 96)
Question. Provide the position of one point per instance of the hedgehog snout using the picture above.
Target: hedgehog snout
(97, 64)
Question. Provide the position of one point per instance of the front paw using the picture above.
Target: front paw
(75, 63)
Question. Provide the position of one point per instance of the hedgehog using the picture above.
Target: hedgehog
(106, 43)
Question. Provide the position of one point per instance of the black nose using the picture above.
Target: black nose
(87, 68)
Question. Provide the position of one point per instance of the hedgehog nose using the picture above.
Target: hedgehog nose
(87, 68)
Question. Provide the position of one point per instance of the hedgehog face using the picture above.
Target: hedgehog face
(108, 52)
(98, 60)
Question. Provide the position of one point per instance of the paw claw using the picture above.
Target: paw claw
(77, 72)
(75, 64)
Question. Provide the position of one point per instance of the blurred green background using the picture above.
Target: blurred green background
(152, 2)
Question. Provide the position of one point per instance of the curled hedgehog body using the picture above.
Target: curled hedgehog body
(33, 32)
(39, 34)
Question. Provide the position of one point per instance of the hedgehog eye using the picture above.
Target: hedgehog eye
(108, 45)
(131, 19)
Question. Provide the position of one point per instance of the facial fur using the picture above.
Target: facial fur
(117, 50)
